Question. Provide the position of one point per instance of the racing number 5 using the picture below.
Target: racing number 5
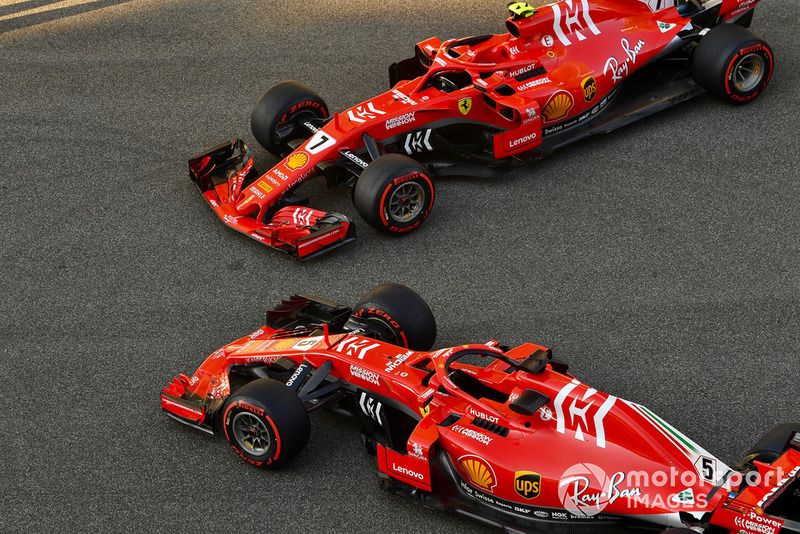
(707, 466)
(319, 142)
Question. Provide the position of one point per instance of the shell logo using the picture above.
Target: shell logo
(479, 471)
(284, 345)
(297, 161)
(558, 106)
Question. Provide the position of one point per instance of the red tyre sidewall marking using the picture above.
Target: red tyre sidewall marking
(397, 181)
(258, 411)
(743, 51)
(384, 220)
(769, 74)
(277, 440)
(302, 105)
(382, 314)
(225, 422)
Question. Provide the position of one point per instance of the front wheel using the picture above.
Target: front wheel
(399, 314)
(394, 194)
(732, 63)
(266, 423)
(279, 114)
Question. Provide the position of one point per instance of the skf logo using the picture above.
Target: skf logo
(527, 484)
(362, 113)
(479, 471)
(464, 105)
(589, 87)
(297, 161)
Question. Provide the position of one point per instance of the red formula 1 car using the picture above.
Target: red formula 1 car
(469, 106)
(504, 435)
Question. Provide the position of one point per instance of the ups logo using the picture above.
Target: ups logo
(527, 484)
(589, 87)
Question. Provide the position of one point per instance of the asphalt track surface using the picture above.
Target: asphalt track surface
(660, 261)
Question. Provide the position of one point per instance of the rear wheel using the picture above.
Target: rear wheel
(774, 443)
(732, 63)
(399, 314)
(266, 423)
(279, 114)
(394, 194)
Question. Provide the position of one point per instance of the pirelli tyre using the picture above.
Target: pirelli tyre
(774, 443)
(732, 63)
(266, 423)
(394, 194)
(279, 114)
(399, 314)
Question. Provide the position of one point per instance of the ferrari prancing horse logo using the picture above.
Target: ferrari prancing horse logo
(464, 105)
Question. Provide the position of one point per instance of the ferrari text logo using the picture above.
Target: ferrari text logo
(464, 105)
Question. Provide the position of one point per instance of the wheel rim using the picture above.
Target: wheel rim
(748, 72)
(292, 127)
(406, 202)
(251, 433)
(386, 331)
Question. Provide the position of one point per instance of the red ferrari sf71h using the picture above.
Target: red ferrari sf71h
(474, 105)
(507, 436)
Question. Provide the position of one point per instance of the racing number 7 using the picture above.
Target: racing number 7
(319, 142)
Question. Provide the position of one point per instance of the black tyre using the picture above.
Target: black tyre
(399, 314)
(266, 423)
(774, 443)
(732, 63)
(394, 194)
(279, 113)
